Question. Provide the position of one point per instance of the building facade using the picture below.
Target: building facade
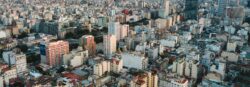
(55, 51)
(88, 43)
(109, 42)
(21, 65)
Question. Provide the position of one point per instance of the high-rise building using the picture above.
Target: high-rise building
(55, 51)
(191, 9)
(114, 29)
(191, 69)
(178, 67)
(116, 65)
(222, 4)
(164, 12)
(124, 31)
(109, 42)
(101, 68)
(102, 21)
(248, 4)
(47, 27)
(21, 64)
(88, 43)
(1, 81)
(8, 74)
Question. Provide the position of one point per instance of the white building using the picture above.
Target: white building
(166, 9)
(9, 57)
(182, 82)
(191, 69)
(1, 81)
(231, 46)
(109, 43)
(21, 64)
(141, 47)
(124, 31)
(9, 73)
(79, 58)
(134, 60)
(2, 34)
(230, 56)
(76, 57)
(178, 67)
(219, 68)
(114, 28)
(153, 52)
(102, 21)
(167, 42)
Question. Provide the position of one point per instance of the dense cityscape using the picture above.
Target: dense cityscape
(124, 43)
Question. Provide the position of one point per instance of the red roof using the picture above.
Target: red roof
(5, 69)
(13, 80)
(140, 82)
(115, 61)
(72, 76)
(125, 11)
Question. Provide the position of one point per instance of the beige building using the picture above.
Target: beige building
(178, 66)
(75, 57)
(9, 73)
(124, 31)
(147, 79)
(161, 23)
(191, 68)
(230, 56)
(231, 46)
(116, 65)
(101, 68)
(21, 64)
(174, 82)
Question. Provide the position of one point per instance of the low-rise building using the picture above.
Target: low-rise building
(134, 60)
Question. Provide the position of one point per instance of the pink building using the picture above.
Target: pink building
(124, 31)
(88, 43)
(55, 51)
(109, 42)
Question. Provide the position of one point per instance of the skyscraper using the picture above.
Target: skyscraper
(55, 51)
(109, 42)
(88, 43)
(164, 12)
(124, 31)
(21, 64)
(222, 7)
(114, 29)
(191, 9)
(248, 4)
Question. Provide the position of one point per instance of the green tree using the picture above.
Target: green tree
(23, 47)
(22, 35)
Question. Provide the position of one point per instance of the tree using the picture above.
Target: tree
(23, 47)
(69, 35)
(248, 38)
(33, 58)
(73, 46)
(22, 35)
